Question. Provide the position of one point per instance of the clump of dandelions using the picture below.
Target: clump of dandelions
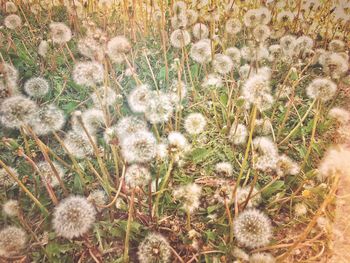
(195, 123)
(12, 240)
(47, 119)
(5, 179)
(48, 174)
(154, 248)
(11, 207)
(322, 89)
(128, 125)
(262, 258)
(252, 228)
(137, 176)
(60, 33)
(36, 87)
(88, 73)
(189, 195)
(17, 111)
(12, 21)
(139, 147)
(73, 217)
(138, 98)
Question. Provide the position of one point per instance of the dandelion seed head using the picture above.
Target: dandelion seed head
(180, 38)
(222, 64)
(179, 21)
(238, 134)
(235, 54)
(189, 195)
(154, 248)
(36, 87)
(192, 16)
(10, 7)
(251, 18)
(243, 193)
(78, 144)
(16, 111)
(336, 45)
(340, 114)
(233, 26)
(265, 163)
(11, 207)
(60, 33)
(212, 81)
(97, 198)
(287, 44)
(201, 52)
(162, 151)
(322, 89)
(334, 64)
(43, 48)
(48, 174)
(252, 228)
(93, 120)
(91, 48)
(200, 31)
(128, 125)
(264, 15)
(139, 147)
(263, 126)
(265, 146)
(261, 258)
(195, 123)
(139, 98)
(47, 119)
(261, 33)
(285, 17)
(286, 166)
(88, 73)
(335, 161)
(300, 209)
(177, 142)
(12, 240)
(117, 47)
(5, 179)
(160, 108)
(224, 169)
(73, 217)
(137, 176)
(12, 21)
(223, 194)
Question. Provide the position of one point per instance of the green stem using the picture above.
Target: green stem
(128, 228)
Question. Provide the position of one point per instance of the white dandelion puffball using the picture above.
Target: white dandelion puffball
(137, 176)
(16, 111)
(78, 144)
(12, 240)
(138, 98)
(36, 87)
(322, 89)
(12, 21)
(154, 248)
(222, 64)
(224, 168)
(48, 174)
(160, 108)
(48, 119)
(11, 208)
(88, 73)
(117, 47)
(262, 258)
(180, 38)
(139, 147)
(252, 228)
(73, 217)
(60, 33)
(195, 123)
(6, 180)
(189, 196)
(201, 52)
(200, 31)
(238, 134)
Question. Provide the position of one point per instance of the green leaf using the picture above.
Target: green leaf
(275, 187)
(200, 154)
(224, 98)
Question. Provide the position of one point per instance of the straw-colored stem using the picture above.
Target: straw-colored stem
(128, 228)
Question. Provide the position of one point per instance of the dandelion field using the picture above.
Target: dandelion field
(173, 131)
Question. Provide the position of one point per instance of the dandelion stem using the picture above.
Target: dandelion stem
(25, 189)
(128, 227)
